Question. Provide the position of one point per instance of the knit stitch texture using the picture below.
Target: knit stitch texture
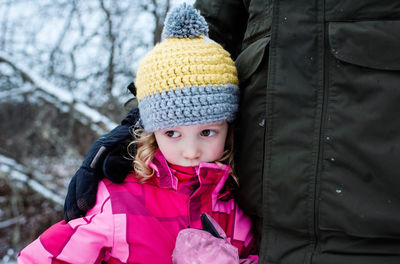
(186, 79)
(184, 22)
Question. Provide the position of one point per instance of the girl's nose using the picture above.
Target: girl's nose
(191, 151)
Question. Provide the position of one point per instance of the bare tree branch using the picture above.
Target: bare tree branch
(4, 26)
(12, 221)
(61, 37)
(111, 38)
(159, 17)
(16, 172)
(62, 99)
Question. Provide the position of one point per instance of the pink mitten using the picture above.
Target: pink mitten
(200, 246)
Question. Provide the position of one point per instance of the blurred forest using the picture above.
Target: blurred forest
(64, 68)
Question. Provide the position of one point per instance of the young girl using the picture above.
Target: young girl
(188, 95)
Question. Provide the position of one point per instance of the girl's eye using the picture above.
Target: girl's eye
(172, 134)
(207, 133)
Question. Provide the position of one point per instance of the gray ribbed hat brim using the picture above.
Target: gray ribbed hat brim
(189, 106)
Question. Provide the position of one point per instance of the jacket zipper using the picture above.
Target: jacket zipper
(188, 203)
(323, 44)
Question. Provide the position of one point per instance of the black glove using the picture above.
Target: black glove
(106, 158)
(117, 163)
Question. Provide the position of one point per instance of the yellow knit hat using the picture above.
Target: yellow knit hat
(187, 78)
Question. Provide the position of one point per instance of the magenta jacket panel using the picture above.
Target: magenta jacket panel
(137, 222)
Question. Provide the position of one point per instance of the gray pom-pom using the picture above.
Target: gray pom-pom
(184, 22)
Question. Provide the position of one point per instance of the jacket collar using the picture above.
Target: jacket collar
(207, 173)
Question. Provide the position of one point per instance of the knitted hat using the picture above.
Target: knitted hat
(187, 78)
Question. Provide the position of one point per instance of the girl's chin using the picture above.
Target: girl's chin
(189, 164)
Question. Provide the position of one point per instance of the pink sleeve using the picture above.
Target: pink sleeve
(243, 237)
(252, 259)
(83, 240)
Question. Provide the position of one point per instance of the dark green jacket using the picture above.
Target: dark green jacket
(319, 125)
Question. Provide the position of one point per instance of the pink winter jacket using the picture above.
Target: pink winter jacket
(137, 222)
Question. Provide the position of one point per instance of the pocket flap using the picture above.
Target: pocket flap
(249, 59)
(373, 44)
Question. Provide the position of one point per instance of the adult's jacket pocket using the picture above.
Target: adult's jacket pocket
(372, 44)
(360, 182)
(250, 58)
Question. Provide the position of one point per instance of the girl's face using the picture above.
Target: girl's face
(190, 145)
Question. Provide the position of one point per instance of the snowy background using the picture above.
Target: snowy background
(64, 68)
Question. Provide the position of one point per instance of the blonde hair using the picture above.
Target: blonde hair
(145, 145)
